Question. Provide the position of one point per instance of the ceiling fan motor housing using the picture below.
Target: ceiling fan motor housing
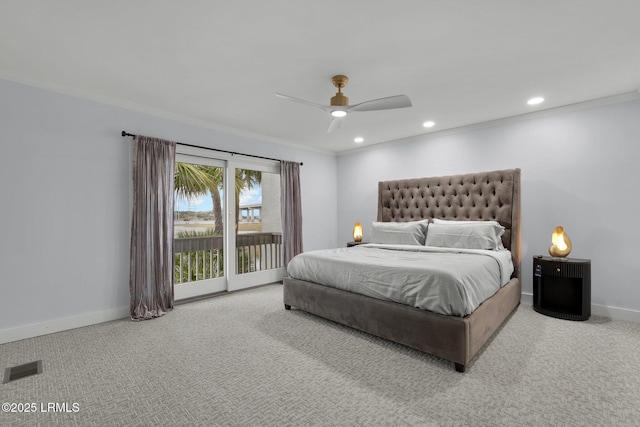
(339, 100)
(339, 81)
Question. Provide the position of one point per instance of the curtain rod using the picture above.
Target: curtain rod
(124, 133)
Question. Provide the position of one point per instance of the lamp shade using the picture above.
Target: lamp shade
(357, 232)
(560, 243)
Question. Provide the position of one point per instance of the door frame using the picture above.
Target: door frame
(207, 286)
(230, 281)
(245, 280)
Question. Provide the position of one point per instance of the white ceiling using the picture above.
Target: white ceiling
(219, 63)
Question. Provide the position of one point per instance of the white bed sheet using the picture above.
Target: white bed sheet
(443, 280)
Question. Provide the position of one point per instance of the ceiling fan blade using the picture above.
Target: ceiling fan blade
(389, 103)
(335, 124)
(302, 101)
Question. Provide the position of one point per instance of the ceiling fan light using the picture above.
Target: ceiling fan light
(536, 100)
(338, 113)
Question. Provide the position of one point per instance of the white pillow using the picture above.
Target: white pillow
(399, 233)
(465, 234)
(454, 221)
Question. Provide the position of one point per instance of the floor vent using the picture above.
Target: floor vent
(22, 371)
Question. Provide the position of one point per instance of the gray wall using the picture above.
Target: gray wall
(579, 169)
(65, 195)
(65, 202)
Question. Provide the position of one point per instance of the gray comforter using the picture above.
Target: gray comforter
(446, 281)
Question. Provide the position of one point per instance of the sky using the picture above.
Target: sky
(203, 203)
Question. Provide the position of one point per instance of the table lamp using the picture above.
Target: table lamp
(357, 232)
(560, 243)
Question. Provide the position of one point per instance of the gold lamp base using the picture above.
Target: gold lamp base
(560, 243)
(357, 232)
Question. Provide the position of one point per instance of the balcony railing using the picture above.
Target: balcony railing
(258, 251)
(200, 258)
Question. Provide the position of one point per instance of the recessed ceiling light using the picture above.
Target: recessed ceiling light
(358, 140)
(429, 124)
(338, 113)
(535, 101)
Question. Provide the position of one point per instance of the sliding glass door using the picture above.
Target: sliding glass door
(198, 227)
(227, 225)
(257, 228)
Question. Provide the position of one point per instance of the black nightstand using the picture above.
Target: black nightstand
(349, 244)
(562, 287)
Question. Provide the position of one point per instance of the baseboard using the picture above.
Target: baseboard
(72, 322)
(614, 313)
(64, 324)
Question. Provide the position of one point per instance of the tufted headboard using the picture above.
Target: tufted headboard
(476, 196)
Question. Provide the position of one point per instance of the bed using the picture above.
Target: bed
(485, 196)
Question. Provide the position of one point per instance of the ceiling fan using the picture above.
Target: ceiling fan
(339, 106)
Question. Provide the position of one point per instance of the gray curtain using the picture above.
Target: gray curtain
(291, 211)
(151, 274)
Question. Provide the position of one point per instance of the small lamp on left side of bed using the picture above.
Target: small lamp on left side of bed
(357, 232)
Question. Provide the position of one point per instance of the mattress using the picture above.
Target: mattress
(442, 280)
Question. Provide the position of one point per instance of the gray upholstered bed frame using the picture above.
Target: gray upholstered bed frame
(480, 196)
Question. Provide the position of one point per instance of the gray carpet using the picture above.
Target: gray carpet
(241, 359)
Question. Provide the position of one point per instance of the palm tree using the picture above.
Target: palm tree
(191, 181)
(196, 180)
(215, 185)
